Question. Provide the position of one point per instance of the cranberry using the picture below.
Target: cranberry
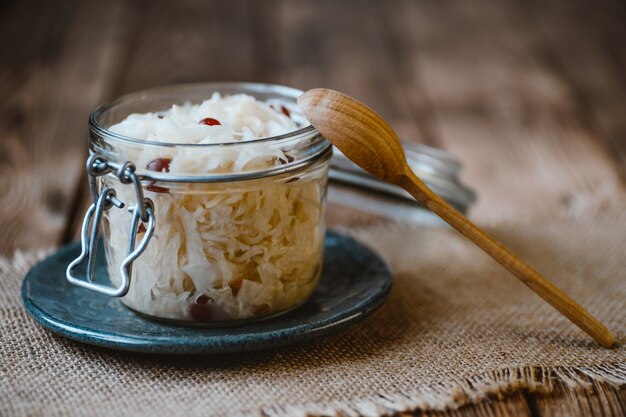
(200, 312)
(156, 188)
(283, 110)
(261, 310)
(203, 309)
(202, 299)
(209, 121)
(159, 165)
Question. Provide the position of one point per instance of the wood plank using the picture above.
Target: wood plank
(586, 45)
(599, 400)
(514, 405)
(509, 117)
(53, 77)
(357, 60)
(191, 41)
(26, 73)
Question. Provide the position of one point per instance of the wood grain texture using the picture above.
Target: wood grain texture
(60, 66)
(357, 131)
(586, 46)
(530, 95)
(514, 405)
(503, 111)
(598, 400)
(190, 41)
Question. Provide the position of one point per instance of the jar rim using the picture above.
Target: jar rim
(97, 127)
(102, 139)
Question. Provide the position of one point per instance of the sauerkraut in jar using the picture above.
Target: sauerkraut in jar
(238, 181)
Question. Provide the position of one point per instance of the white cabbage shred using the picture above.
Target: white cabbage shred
(220, 251)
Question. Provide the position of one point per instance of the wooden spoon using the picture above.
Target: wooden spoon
(366, 139)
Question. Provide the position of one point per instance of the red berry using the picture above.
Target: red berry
(283, 110)
(200, 312)
(159, 165)
(203, 309)
(209, 121)
(156, 188)
(261, 310)
(202, 299)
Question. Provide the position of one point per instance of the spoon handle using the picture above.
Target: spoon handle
(535, 281)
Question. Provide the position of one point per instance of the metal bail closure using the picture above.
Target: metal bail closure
(97, 166)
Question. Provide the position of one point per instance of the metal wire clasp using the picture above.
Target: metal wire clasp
(143, 211)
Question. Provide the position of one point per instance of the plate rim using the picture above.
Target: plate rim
(210, 344)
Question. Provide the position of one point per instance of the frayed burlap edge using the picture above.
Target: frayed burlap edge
(455, 394)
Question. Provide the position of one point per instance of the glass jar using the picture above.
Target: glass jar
(202, 243)
(355, 198)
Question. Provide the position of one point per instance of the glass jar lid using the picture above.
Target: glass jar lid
(438, 169)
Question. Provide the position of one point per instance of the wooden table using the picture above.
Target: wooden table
(530, 95)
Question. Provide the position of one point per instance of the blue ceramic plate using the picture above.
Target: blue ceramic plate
(354, 282)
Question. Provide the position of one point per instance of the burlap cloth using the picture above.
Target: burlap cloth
(456, 328)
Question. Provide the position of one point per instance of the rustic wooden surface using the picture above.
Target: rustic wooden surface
(530, 95)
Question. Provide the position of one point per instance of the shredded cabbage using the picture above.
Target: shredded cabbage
(220, 251)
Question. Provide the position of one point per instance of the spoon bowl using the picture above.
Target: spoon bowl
(354, 139)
